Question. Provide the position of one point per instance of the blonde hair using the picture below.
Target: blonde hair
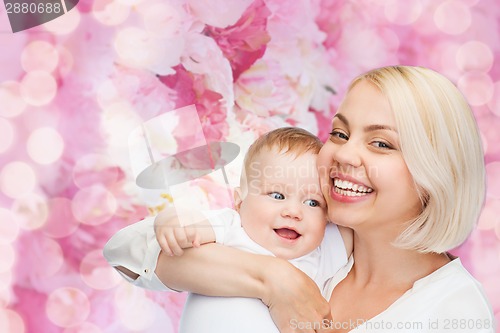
(283, 140)
(441, 146)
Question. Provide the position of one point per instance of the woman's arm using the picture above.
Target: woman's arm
(216, 270)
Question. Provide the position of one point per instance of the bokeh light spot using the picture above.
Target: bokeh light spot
(60, 222)
(133, 46)
(403, 12)
(372, 40)
(97, 273)
(118, 121)
(32, 211)
(11, 322)
(6, 135)
(17, 179)
(4, 321)
(110, 12)
(475, 56)
(38, 88)
(39, 55)
(45, 145)
(5, 280)
(452, 17)
(48, 259)
(477, 87)
(64, 24)
(67, 307)
(7, 258)
(6, 297)
(493, 177)
(16, 323)
(94, 205)
(470, 3)
(442, 55)
(136, 312)
(494, 102)
(83, 328)
(161, 18)
(95, 169)
(10, 99)
(107, 94)
(9, 226)
(130, 2)
(489, 215)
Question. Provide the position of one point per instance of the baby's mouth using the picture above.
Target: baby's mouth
(287, 233)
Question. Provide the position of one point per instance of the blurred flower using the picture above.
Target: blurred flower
(203, 57)
(244, 42)
(218, 13)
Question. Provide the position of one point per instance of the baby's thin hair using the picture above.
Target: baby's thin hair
(284, 140)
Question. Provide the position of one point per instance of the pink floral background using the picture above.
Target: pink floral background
(73, 90)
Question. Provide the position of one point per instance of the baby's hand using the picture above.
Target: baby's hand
(172, 236)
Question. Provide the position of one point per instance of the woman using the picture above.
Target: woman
(406, 137)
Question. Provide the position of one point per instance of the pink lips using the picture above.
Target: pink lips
(287, 233)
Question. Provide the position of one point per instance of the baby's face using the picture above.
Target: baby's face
(284, 210)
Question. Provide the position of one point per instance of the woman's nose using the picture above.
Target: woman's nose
(347, 154)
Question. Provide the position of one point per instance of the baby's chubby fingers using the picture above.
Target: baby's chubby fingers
(162, 240)
(193, 236)
(174, 239)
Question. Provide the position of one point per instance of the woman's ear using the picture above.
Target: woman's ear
(237, 198)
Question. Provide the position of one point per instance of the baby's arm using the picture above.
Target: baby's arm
(173, 237)
(210, 270)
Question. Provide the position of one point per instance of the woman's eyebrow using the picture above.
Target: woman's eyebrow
(369, 128)
(341, 118)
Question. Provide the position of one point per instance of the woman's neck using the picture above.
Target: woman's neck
(377, 262)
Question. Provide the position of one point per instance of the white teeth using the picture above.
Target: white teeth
(349, 193)
(347, 188)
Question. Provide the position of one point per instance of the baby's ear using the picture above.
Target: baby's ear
(237, 198)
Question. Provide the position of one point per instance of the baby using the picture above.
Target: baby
(280, 211)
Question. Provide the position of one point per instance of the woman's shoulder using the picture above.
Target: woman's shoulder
(452, 292)
(449, 299)
(452, 277)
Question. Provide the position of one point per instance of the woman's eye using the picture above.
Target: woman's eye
(339, 134)
(381, 144)
(312, 203)
(276, 195)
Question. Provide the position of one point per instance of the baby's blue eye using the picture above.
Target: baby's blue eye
(312, 203)
(276, 195)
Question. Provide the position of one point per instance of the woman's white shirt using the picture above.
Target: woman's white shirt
(447, 300)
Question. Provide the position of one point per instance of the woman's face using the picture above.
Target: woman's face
(363, 175)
